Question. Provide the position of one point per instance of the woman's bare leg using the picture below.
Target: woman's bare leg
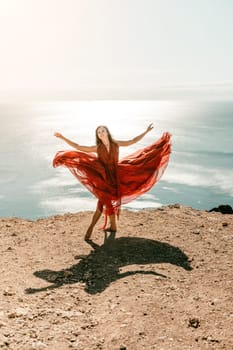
(112, 219)
(95, 218)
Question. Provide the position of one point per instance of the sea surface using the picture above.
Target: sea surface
(199, 174)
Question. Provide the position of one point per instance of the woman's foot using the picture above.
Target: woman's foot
(88, 234)
(109, 235)
(109, 229)
(95, 218)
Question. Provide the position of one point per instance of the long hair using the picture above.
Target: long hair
(97, 139)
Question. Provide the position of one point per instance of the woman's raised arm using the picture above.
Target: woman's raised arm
(135, 139)
(76, 145)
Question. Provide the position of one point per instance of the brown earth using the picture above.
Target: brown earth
(164, 282)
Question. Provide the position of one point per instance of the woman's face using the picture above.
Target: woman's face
(102, 133)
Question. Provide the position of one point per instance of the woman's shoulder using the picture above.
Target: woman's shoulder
(115, 142)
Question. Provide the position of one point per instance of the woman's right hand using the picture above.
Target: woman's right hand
(57, 134)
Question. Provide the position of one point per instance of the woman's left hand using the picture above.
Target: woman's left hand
(150, 127)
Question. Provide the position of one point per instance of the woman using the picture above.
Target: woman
(112, 181)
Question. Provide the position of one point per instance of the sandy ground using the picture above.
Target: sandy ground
(164, 282)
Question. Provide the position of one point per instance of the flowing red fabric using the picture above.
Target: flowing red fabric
(116, 182)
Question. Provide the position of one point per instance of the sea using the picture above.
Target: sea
(199, 173)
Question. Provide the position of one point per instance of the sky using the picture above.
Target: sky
(116, 49)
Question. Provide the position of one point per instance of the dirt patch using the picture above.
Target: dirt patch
(163, 282)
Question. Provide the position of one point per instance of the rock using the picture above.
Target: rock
(224, 224)
(18, 312)
(52, 278)
(2, 324)
(194, 322)
(175, 206)
(224, 209)
(209, 339)
(68, 273)
(123, 347)
(5, 344)
(39, 345)
(196, 232)
(8, 292)
(50, 226)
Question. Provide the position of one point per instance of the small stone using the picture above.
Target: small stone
(224, 224)
(196, 298)
(176, 206)
(52, 278)
(161, 209)
(123, 347)
(39, 345)
(112, 306)
(142, 334)
(2, 324)
(72, 340)
(51, 337)
(194, 322)
(33, 335)
(123, 325)
(50, 226)
(196, 232)
(18, 312)
(8, 292)
(68, 273)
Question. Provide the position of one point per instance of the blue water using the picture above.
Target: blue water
(200, 171)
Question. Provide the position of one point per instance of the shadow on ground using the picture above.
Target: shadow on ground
(102, 266)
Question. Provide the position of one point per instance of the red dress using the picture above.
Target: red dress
(116, 182)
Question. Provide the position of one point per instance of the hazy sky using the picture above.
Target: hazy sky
(115, 48)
